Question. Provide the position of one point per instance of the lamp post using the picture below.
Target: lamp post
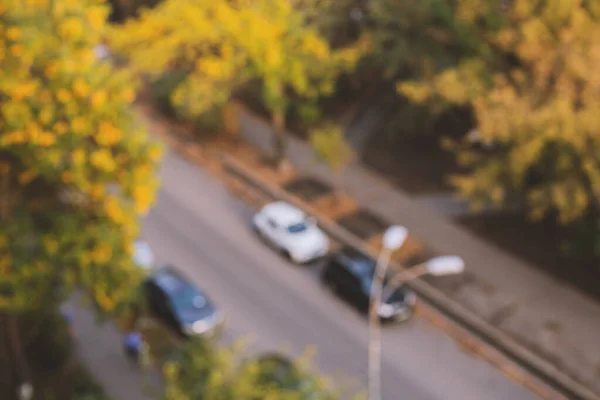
(393, 239)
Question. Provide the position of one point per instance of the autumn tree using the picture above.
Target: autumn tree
(76, 169)
(534, 94)
(221, 45)
(331, 147)
(292, 59)
(192, 39)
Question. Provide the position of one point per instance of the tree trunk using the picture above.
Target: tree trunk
(9, 321)
(279, 141)
(17, 363)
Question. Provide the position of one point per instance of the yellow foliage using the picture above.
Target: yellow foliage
(26, 177)
(330, 146)
(101, 254)
(79, 125)
(71, 28)
(63, 95)
(80, 87)
(539, 112)
(51, 245)
(155, 153)
(225, 44)
(68, 177)
(60, 128)
(108, 134)
(98, 99)
(143, 196)
(103, 160)
(113, 209)
(96, 17)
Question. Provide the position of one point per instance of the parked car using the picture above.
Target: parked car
(180, 304)
(350, 275)
(143, 256)
(293, 233)
(279, 371)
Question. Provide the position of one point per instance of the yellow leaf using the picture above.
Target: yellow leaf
(96, 17)
(155, 153)
(17, 50)
(51, 245)
(68, 177)
(61, 128)
(80, 87)
(27, 176)
(13, 33)
(63, 95)
(98, 99)
(51, 69)
(79, 157)
(79, 125)
(108, 134)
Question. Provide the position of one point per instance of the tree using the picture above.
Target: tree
(201, 370)
(292, 59)
(221, 45)
(76, 169)
(332, 148)
(193, 39)
(535, 96)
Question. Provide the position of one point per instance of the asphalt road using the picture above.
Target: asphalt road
(199, 228)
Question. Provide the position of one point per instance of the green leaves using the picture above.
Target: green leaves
(201, 370)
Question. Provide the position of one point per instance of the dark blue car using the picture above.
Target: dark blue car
(180, 304)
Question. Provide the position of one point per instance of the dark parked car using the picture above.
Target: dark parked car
(350, 275)
(180, 304)
(280, 371)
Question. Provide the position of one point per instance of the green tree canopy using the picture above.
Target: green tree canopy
(201, 370)
(422, 37)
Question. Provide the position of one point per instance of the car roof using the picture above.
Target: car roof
(171, 281)
(284, 213)
(357, 262)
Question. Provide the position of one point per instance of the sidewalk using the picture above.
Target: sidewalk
(99, 348)
(546, 314)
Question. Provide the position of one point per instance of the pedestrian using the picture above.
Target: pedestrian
(133, 344)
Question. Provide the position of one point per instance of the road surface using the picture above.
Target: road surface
(199, 228)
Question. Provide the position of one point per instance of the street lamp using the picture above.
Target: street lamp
(393, 239)
(26, 391)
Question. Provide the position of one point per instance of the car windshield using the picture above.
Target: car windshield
(188, 298)
(298, 228)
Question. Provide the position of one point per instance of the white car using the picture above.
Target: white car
(291, 231)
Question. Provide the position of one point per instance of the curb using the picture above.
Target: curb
(468, 329)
